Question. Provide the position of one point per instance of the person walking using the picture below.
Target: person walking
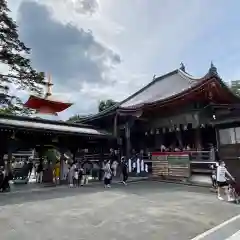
(80, 176)
(4, 179)
(75, 177)
(71, 174)
(57, 173)
(124, 169)
(214, 176)
(222, 180)
(40, 172)
(107, 175)
(87, 171)
(30, 167)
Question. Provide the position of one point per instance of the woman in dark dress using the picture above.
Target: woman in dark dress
(124, 168)
(40, 172)
(4, 180)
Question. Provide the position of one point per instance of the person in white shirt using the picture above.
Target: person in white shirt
(114, 168)
(222, 180)
(163, 148)
(107, 174)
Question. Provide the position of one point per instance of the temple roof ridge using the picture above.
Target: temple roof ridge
(175, 82)
(188, 76)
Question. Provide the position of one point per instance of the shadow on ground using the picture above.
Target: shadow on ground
(143, 210)
(140, 189)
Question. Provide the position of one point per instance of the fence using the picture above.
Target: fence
(181, 165)
(200, 162)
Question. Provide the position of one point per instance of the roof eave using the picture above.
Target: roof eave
(105, 113)
(113, 109)
(104, 135)
(174, 97)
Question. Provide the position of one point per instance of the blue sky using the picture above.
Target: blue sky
(114, 47)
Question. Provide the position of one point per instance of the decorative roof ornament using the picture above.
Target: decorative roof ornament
(182, 67)
(212, 70)
(154, 77)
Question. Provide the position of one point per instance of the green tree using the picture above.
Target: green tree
(104, 104)
(18, 69)
(235, 87)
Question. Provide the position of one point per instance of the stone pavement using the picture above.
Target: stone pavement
(34, 187)
(235, 236)
(228, 230)
(141, 210)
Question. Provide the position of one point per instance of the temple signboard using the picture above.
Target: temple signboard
(171, 165)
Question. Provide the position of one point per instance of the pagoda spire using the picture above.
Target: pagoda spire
(49, 85)
(212, 70)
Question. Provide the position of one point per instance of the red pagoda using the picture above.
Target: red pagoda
(45, 104)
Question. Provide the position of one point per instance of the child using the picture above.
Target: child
(80, 177)
(214, 175)
(75, 177)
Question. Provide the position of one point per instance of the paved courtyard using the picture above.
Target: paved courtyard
(144, 210)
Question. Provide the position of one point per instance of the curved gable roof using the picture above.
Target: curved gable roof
(162, 88)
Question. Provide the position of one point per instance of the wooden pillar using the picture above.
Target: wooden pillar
(61, 164)
(198, 138)
(9, 155)
(115, 133)
(179, 138)
(158, 141)
(128, 139)
(217, 137)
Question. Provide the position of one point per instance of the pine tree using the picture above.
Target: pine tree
(13, 57)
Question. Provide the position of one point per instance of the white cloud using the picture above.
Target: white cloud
(152, 37)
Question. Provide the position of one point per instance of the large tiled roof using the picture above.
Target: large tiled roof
(165, 87)
(17, 122)
(162, 88)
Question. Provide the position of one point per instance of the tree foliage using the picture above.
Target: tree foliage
(235, 87)
(75, 118)
(18, 69)
(105, 104)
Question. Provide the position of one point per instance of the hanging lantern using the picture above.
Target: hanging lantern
(146, 133)
(151, 132)
(177, 129)
(185, 128)
(157, 131)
